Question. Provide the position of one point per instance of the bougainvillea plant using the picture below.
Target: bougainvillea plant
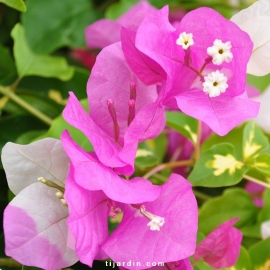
(160, 158)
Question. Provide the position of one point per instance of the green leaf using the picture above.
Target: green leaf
(52, 24)
(11, 196)
(264, 215)
(59, 125)
(15, 125)
(265, 212)
(262, 164)
(151, 152)
(218, 167)
(38, 100)
(260, 82)
(7, 67)
(243, 262)
(29, 63)
(29, 136)
(184, 124)
(234, 202)
(16, 4)
(77, 84)
(201, 265)
(254, 141)
(234, 137)
(260, 255)
(115, 10)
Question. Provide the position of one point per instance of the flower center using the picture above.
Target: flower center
(215, 83)
(114, 210)
(220, 52)
(185, 40)
(59, 194)
(112, 112)
(131, 103)
(155, 221)
(131, 110)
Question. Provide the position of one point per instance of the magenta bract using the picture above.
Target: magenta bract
(123, 111)
(176, 238)
(92, 175)
(105, 32)
(221, 104)
(221, 247)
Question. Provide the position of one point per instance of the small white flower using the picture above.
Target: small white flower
(220, 52)
(156, 223)
(185, 40)
(265, 229)
(215, 83)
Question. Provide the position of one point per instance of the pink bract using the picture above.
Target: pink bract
(256, 192)
(176, 240)
(100, 190)
(186, 69)
(123, 111)
(105, 32)
(221, 247)
(92, 175)
(179, 265)
(34, 224)
(87, 220)
(35, 229)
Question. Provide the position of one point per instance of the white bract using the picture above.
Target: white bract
(24, 164)
(215, 83)
(255, 20)
(265, 229)
(220, 52)
(185, 40)
(263, 119)
(35, 220)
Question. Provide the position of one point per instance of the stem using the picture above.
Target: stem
(44, 118)
(176, 154)
(169, 165)
(201, 195)
(9, 262)
(198, 142)
(249, 178)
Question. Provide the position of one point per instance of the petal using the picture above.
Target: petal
(221, 113)
(106, 149)
(255, 21)
(35, 229)
(110, 79)
(176, 240)
(154, 39)
(88, 219)
(221, 247)
(24, 164)
(105, 32)
(144, 67)
(141, 7)
(102, 33)
(263, 119)
(90, 174)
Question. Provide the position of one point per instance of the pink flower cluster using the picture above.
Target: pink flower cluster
(198, 67)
